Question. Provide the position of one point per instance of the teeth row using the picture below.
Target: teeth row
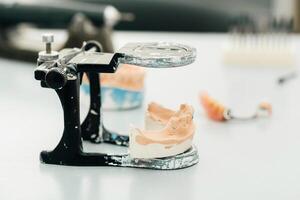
(119, 78)
(186, 109)
(126, 74)
(108, 78)
(128, 79)
(131, 72)
(213, 108)
(182, 121)
(214, 105)
(123, 78)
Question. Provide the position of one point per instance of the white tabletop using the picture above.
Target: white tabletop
(250, 160)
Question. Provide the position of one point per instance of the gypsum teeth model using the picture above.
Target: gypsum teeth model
(63, 72)
(218, 112)
(157, 116)
(167, 133)
(122, 90)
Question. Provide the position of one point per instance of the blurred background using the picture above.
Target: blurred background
(175, 15)
(97, 19)
(197, 15)
(255, 158)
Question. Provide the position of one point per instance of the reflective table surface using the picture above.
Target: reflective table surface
(238, 160)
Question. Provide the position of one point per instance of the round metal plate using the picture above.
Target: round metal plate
(158, 54)
(184, 160)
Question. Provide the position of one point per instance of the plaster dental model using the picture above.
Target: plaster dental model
(121, 90)
(167, 133)
(157, 116)
(218, 112)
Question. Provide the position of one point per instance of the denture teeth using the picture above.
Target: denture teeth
(213, 108)
(127, 76)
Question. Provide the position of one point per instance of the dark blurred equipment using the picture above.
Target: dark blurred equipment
(186, 15)
(49, 14)
(83, 21)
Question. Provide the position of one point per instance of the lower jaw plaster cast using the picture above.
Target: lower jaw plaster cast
(157, 116)
(121, 90)
(167, 133)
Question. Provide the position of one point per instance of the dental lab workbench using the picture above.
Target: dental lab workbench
(255, 159)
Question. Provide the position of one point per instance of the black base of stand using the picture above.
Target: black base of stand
(184, 160)
(69, 150)
(78, 159)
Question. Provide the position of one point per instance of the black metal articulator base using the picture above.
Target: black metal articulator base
(92, 128)
(69, 151)
(65, 79)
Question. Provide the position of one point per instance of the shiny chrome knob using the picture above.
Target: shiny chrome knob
(48, 39)
(49, 54)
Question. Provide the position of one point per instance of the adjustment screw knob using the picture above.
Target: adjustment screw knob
(48, 38)
(56, 78)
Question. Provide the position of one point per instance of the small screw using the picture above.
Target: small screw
(48, 39)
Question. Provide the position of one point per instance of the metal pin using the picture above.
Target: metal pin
(48, 39)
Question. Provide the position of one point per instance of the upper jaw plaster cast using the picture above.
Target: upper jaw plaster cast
(121, 90)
